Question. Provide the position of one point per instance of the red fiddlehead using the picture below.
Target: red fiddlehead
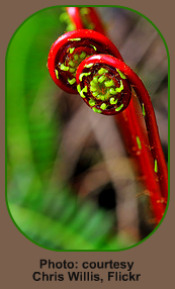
(108, 86)
(69, 50)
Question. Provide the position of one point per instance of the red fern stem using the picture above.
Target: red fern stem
(85, 17)
(129, 115)
(88, 73)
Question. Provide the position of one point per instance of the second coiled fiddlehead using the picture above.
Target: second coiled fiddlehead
(104, 102)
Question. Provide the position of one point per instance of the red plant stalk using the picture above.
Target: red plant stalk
(82, 16)
(128, 120)
(87, 74)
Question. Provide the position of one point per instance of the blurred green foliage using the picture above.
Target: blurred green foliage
(48, 213)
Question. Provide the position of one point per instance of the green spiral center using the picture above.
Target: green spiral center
(74, 61)
(103, 87)
(106, 91)
(71, 62)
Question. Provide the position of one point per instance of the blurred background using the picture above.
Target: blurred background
(70, 183)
